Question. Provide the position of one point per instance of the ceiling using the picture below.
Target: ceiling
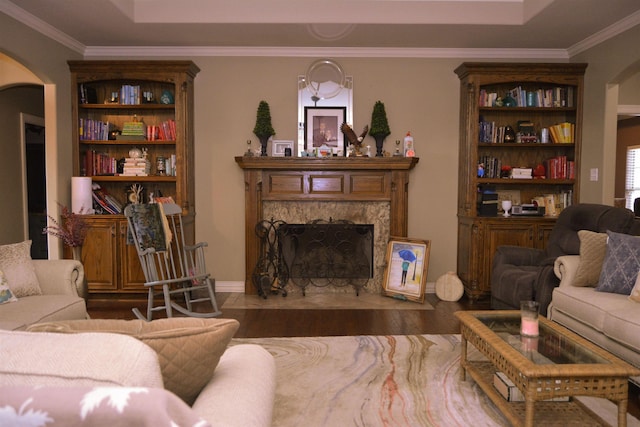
(515, 28)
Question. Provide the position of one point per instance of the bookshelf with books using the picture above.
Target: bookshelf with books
(520, 137)
(133, 135)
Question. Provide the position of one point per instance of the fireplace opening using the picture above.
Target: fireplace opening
(321, 253)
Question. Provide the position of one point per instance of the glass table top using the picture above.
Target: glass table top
(550, 347)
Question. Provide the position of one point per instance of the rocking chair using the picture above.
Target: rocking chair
(171, 269)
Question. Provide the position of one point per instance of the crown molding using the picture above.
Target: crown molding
(605, 34)
(37, 24)
(337, 52)
(17, 13)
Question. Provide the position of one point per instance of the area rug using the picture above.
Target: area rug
(396, 380)
(322, 301)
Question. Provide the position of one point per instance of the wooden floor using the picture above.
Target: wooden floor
(297, 323)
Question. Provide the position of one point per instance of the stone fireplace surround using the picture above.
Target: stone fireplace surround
(301, 189)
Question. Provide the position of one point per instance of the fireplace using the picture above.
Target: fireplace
(334, 253)
(297, 190)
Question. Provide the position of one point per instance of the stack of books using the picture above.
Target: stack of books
(136, 166)
(133, 131)
(103, 202)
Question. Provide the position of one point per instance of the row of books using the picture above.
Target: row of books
(560, 168)
(553, 97)
(165, 132)
(103, 202)
(554, 203)
(563, 132)
(491, 167)
(96, 163)
(130, 95)
(94, 130)
(489, 132)
(87, 94)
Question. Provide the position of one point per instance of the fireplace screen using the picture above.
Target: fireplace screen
(335, 253)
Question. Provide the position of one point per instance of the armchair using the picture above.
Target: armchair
(520, 273)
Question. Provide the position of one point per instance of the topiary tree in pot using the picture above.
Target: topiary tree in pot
(263, 128)
(379, 126)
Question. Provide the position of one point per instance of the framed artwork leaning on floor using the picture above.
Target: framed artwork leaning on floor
(406, 268)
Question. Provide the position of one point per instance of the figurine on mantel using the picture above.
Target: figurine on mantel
(354, 139)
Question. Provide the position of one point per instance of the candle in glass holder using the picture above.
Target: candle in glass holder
(529, 318)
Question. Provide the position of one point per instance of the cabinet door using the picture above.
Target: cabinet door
(501, 233)
(543, 231)
(99, 256)
(131, 274)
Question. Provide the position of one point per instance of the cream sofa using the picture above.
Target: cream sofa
(610, 320)
(61, 282)
(152, 363)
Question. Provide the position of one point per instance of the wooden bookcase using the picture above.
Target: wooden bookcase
(112, 267)
(480, 233)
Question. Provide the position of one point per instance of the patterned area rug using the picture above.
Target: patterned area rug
(408, 380)
(322, 301)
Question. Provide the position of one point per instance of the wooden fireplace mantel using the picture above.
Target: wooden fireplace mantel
(360, 179)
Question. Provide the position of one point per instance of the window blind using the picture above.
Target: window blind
(632, 181)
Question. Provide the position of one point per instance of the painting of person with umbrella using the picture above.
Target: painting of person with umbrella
(408, 257)
(406, 269)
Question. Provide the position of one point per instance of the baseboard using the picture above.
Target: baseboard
(235, 286)
(229, 286)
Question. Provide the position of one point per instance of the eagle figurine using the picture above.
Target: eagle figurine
(351, 135)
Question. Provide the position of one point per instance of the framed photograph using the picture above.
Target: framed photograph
(406, 269)
(278, 148)
(322, 127)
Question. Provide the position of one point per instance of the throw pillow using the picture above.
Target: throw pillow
(94, 406)
(621, 264)
(5, 292)
(15, 261)
(593, 247)
(86, 359)
(189, 349)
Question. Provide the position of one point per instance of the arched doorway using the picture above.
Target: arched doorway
(14, 78)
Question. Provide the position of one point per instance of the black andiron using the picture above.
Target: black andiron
(270, 274)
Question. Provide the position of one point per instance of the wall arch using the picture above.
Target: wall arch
(14, 73)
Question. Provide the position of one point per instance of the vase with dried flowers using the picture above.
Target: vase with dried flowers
(72, 229)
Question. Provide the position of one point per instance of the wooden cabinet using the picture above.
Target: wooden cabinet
(107, 97)
(110, 264)
(527, 97)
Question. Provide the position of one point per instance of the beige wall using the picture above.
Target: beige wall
(610, 64)
(46, 61)
(420, 95)
(228, 92)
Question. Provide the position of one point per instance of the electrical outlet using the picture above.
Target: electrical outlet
(594, 174)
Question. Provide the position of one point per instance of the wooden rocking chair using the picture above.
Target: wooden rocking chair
(172, 269)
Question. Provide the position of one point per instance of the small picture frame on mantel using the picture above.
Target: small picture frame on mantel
(279, 148)
(406, 268)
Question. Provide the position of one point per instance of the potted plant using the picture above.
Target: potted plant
(379, 126)
(72, 230)
(263, 129)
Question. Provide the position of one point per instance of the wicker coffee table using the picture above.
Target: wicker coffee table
(557, 364)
